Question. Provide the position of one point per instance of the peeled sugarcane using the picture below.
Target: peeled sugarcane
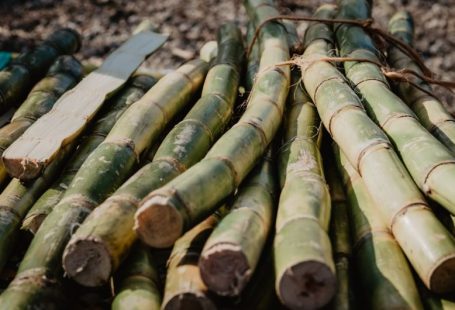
(428, 108)
(184, 287)
(29, 155)
(232, 252)
(384, 276)
(339, 235)
(430, 249)
(133, 91)
(102, 172)
(167, 213)
(63, 74)
(108, 231)
(430, 163)
(18, 78)
(139, 284)
(305, 271)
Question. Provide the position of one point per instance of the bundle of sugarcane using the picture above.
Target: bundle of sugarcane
(26, 69)
(243, 215)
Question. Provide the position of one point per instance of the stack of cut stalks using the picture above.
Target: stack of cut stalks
(328, 182)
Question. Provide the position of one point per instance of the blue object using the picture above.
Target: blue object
(5, 58)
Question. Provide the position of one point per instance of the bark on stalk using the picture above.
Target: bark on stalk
(184, 287)
(430, 163)
(108, 232)
(303, 254)
(167, 213)
(253, 59)
(23, 72)
(429, 109)
(139, 284)
(339, 235)
(232, 252)
(102, 172)
(132, 92)
(385, 279)
(431, 249)
(63, 75)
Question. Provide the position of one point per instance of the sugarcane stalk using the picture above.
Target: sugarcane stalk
(184, 288)
(109, 230)
(138, 281)
(430, 163)
(133, 91)
(15, 200)
(63, 75)
(428, 108)
(431, 249)
(5, 118)
(29, 155)
(294, 42)
(303, 255)
(253, 58)
(167, 213)
(339, 235)
(23, 72)
(101, 173)
(232, 252)
(381, 268)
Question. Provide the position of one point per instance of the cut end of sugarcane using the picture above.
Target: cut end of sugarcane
(224, 269)
(189, 301)
(32, 223)
(23, 168)
(307, 285)
(87, 262)
(158, 223)
(442, 280)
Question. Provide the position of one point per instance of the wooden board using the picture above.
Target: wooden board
(37, 147)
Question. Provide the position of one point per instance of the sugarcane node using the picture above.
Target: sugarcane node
(224, 269)
(189, 301)
(307, 285)
(441, 278)
(87, 261)
(157, 222)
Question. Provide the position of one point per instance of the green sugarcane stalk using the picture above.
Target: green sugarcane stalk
(108, 116)
(139, 284)
(253, 58)
(232, 252)
(431, 249)
(430, 163)
(63, 75)
(303, 254)
(15, 200)
(386, 281)
(108, 232)
(184, 287)
(339, 235)
(23, 72)
(167, 213)
(429, 109)
(101, 173)
(294, 42)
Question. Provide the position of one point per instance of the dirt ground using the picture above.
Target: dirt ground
(104, 24)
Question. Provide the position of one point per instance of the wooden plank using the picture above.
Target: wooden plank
(37, 147)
